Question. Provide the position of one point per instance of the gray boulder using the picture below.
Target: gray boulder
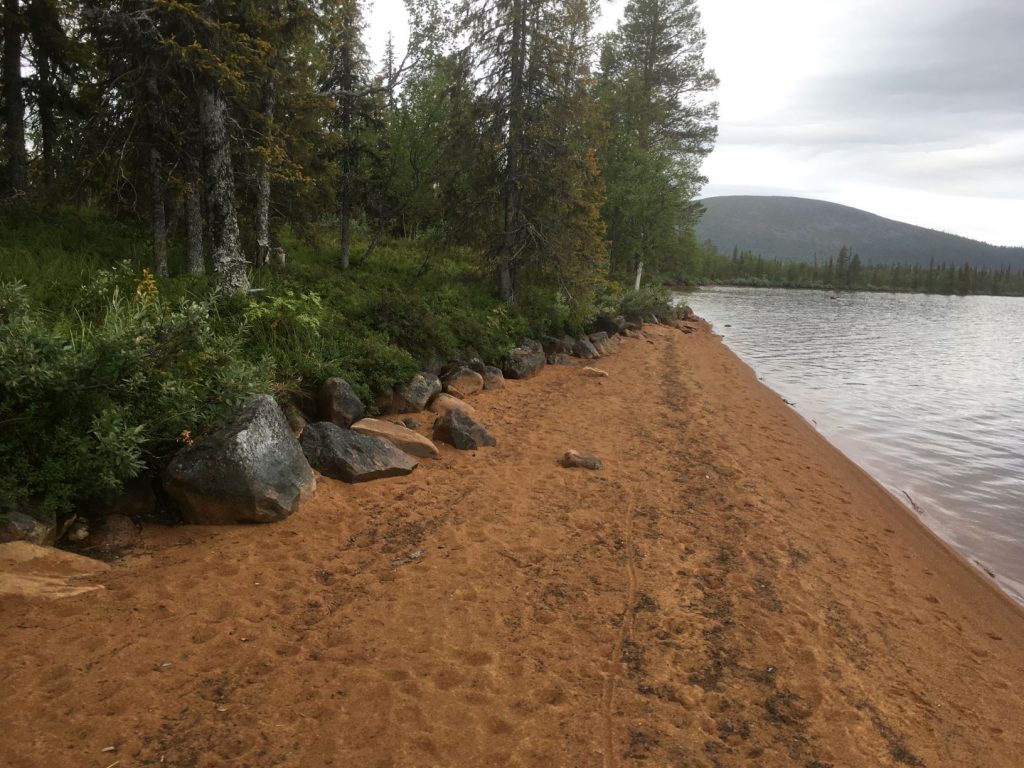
(458, 429)
(251, 470)
(476, 364)
(417, 394)
(352, 457)
(553, 346)
(558, 358)
(493, 378)
(339, 403)
(524, 361)
(18, 526)
(583, 348)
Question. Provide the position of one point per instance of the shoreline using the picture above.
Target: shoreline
(917, 513)
(730, 590)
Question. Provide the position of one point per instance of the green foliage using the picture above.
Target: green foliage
(86, 402)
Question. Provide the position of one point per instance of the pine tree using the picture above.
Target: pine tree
(654, 88)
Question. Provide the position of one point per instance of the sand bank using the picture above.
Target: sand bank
(729, 591)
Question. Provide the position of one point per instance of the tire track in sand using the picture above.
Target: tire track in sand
(625, 629)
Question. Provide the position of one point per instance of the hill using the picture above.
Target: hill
(799, 229)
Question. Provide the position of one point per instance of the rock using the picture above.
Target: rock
(634, 323)
(583, 348)
(401, 437)
(574, 459)
(687, 313)
(296, 419)
(445, 402)
(634, 334)
(18, 526)
(463, 383)
(559, 359)
(411, 423)
(352, 457)
(116, 532)
(653, 319)
(595, 373)
(477, 365)
(602, 343)
(553, 346)
(251, 470)
(524, 361)
(339, 403)
(583, 461)
(493, 378)
(418, 393)
(460, 430)
(77, 531)
(609, 325)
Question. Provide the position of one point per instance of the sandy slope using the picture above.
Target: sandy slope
(729, 591)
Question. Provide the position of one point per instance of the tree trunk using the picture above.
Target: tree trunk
(157, 188)
(194, 227)
(13, 97)
(346, 222)
(228, 262)
(263, 182)
(47, 121)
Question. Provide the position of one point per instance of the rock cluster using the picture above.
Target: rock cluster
(253, 469)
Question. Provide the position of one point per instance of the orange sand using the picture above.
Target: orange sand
(729, 591)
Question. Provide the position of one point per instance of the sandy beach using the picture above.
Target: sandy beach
(729, 590)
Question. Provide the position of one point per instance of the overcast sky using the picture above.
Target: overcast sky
(911, 109)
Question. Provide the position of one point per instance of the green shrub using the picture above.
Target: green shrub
(87, 403)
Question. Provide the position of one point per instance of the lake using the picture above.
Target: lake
(924, 392)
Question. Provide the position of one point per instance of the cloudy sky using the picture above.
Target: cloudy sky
(911, 109)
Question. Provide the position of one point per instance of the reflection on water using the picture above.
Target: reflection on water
(925, 392)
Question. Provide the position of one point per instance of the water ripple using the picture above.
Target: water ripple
(924, 392)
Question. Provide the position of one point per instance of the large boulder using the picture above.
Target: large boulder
(445, 402)
(524, 361)
(352, 457)
(463, 382)
(687, 313)
(417, 394)
(403, 438)
(558, 358)
(251, 470)
(583, 348)
(19, 526)
(460, 430)
(339, 403)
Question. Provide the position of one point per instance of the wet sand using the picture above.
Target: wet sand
(729, 591)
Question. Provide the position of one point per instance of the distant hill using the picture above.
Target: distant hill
(799, 229)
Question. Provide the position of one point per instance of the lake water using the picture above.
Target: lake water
(924, 392)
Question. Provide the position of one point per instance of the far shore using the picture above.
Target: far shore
(729, 590)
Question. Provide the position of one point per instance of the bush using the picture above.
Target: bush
(87, 404)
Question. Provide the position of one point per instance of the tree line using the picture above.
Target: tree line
(848, 271)
(557, 155)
